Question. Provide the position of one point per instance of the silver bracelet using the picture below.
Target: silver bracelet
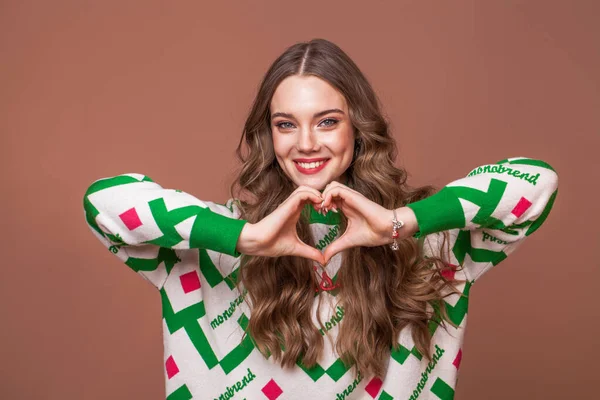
(396, 225)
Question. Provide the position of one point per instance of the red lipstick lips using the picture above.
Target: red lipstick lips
(310, 171)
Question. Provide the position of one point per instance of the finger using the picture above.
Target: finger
(301, 197)
(307, 189)
(337, 246)
(299, 200)
(306, 251)
(334, 184)
(329, 186)
(293, 206)
(339, 192)
(334, 206)
(302, 189)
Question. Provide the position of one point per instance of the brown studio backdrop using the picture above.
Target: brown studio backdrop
(92, 89)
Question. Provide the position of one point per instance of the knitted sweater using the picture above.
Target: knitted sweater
(186, 248)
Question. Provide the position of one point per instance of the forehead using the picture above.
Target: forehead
(306, 95)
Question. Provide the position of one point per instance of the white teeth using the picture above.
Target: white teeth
(311, 165)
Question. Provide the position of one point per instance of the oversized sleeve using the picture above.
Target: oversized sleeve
(145, 225)
(488, 213)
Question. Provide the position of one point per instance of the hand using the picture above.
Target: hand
(369, 224)
(275, 235)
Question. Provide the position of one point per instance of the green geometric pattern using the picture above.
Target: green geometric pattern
(183, 393)
(401, 353)
(487, 201)
(384, 396)
(91, 211)
(442, 390)
(335, 371)
(218, 231)
(213, 277)
(168, 256)
(212, 274)
(456, 314)
(166, 221)
(462, 247)
(188, 320)
(444, 211)
(540, 220)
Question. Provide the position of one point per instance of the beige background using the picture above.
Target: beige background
(93, 89)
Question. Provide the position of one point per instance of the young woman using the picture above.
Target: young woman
(326, 276)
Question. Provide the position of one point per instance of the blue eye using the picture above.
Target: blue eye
(330, 120)
(326, 123)
(282, 125)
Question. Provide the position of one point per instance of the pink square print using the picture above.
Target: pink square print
(131, 219)
(457, 359)
(272, 390)
(171, 367)
(449, 271)
(190, 282)
(373, 387)
(521, 207)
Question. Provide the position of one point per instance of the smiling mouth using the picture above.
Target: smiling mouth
(310, 167)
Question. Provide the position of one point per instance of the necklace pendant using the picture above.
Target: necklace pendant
(326, 283)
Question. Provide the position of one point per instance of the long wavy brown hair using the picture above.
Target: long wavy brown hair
(382, 291)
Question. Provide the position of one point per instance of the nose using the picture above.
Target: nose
(307, 141)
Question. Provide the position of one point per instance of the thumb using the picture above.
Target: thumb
(338, 245)
(310, 252)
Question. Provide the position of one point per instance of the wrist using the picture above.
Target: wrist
(246, 243)
(408, 217)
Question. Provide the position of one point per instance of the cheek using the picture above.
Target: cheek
(342, 144)
(279, 146)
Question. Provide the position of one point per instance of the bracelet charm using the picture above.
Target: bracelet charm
(396, 225)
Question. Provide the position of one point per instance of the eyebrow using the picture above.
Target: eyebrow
(317, 115)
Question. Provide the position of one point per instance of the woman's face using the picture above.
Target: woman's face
(312, 133)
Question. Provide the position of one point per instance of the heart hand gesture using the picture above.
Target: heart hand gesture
(369, 224)
(276, 235)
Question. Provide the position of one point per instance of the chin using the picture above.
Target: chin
(315, 184)
(318, 187)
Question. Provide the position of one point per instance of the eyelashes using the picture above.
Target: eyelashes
(332, 120)
(281, 125)
(327, 122)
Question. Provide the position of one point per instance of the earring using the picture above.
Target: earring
(357, 147)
